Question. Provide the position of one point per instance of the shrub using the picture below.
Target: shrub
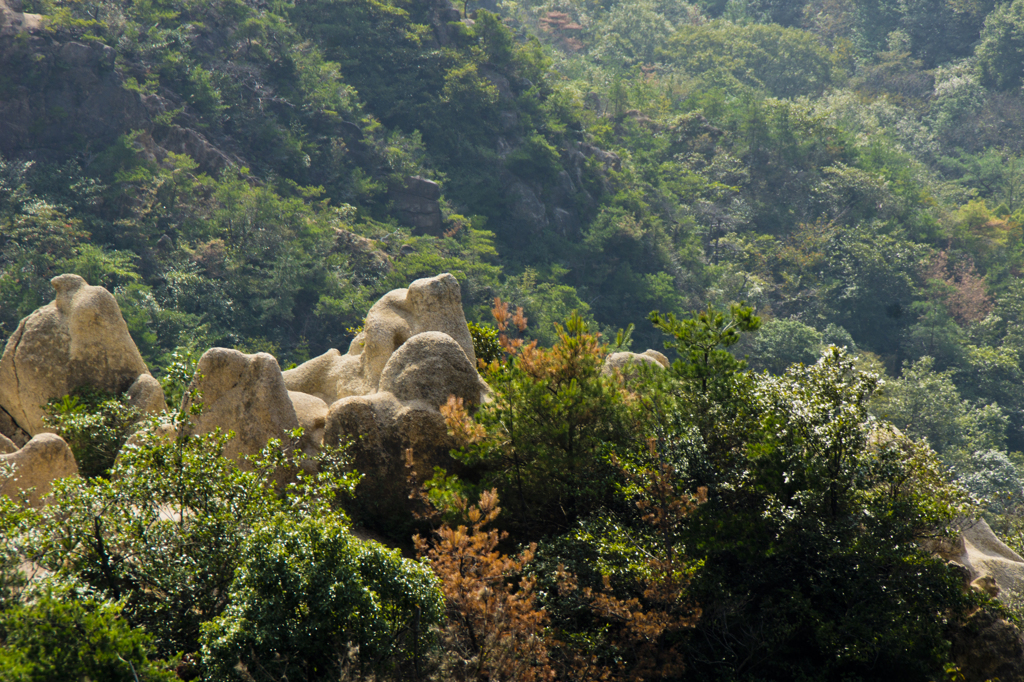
(95, 424)
(67, 634)
(312, 602)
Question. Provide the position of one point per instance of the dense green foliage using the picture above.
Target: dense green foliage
(311, 601)
(62, 635)
(94, 424)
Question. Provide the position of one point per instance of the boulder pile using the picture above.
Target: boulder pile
(383, 395)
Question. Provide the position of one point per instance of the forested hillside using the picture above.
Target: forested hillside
(256, 174)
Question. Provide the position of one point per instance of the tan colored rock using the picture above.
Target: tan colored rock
(328, 376)
(311, 412)
(404, 415)
(431, 304)
(7, 445)
(429, 367)
(620, 362)
(989, 564)
(988, 556)
(147, 395)
(44, 459)
(245, 394)
(78, 339)
(658, 356)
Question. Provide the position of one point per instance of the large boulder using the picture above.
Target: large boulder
(432, 304)
(399, 433)
(245, 394)
(988, 647)
(620, 362)
(78, 339)
(986, 556)
(44, 459)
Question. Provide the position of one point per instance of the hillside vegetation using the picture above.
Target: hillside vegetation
(850, 171)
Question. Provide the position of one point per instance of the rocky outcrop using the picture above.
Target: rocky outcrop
(79, 339)
(245, 394)
(403, 415)
(988, 647)
(385, 393)
(416, 205)
(59, 94)
(432, 304)
(984, 555)
(619, 363)
(14, 21)
(44, 459)
(414, 353)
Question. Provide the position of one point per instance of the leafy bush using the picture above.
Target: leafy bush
(310, 601)
(95, 424)
(64, 633)
(163, 534)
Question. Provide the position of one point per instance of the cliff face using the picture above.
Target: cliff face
(61, 97)
(57, 95)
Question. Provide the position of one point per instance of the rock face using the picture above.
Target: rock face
(620, 362)
(988, 647)
(59, 94)
(7, 446)
(43, 459)
(432, 304)
(416, 205)
(418, 378)
(245, 394)
(985, 555)
(80, 338)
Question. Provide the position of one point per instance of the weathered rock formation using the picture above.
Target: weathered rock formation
(78, 339)
(620, 362)
(984, 556)
(244, 394)
(384, 394)
(404, 415)
(432, 304)
(44, 459)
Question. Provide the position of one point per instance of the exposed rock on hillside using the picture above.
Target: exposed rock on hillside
(416, 204)
(385, 393)
(244, 394)
(404, 415)
(59, 93)
(13, 20)
(78, 339)
(432, 304)
(62, 95)
(44, 459)
(619, 362)
(984, 555)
